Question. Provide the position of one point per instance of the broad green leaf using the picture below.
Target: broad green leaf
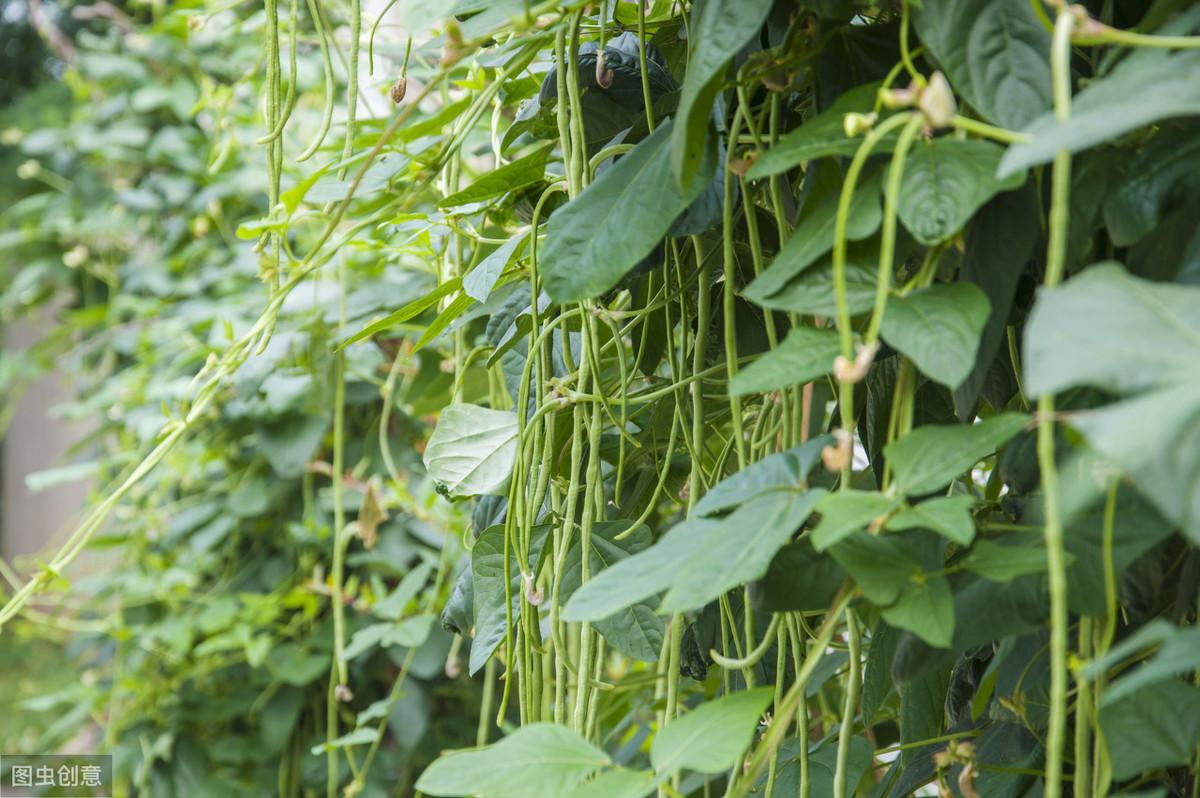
(594, 240)
(616, 783)
(1178, 654)
(1111, 330)
(1155, 727)
(1155, 439)
(1002, 563)
(472, 449)
(712, 737)
(718, 31)
(844, 512)
(822, 764)
(504, 179)
(880, 566)
(291, 664)
(479, 282)
(814, 235)
(1148, 86)
(949, 516)
(929, 457)
(539, 759)
(925, 608)
(1158, 173)
(740, 550)
(995, 53)
(799, 578)
(805, 354)
(945, 181)
(636, 630)
(938, 327)
(783, 471)
(820, 136)
(490, 620)
(812, 291)
(637, 578)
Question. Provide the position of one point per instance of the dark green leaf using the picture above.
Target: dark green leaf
(995, 52)
(718, 31)
(593, 241)
(844, 512)
(539, 759)
(938, 328)
(929, 457)
(711, 738)
(949, 516)
(945, 181)
(1157, 726)
(805, 354)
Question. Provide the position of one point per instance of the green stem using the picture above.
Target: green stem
(1055, 551)
(850, 708)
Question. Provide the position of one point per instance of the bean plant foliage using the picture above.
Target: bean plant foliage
(771, 397)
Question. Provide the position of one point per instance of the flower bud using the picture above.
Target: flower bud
(398, 89)
(855, 124)
(937, 102)
(343, 694)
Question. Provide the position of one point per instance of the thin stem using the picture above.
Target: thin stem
(1055, 551)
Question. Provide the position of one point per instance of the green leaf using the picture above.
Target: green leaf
(487, 585)
(505, 179)
(637, 578)
(799, 578)
(813, 236)
(939, 328)
(998, 244)
(636, 630)
(712, 737)
(1155, 439)
(740, 549)
(880, 566)
(1002, 563)
(410, 632)
(821, 136)
(925, 608)
(472, 449)
(409, 311)
(479, 282)
(995, 52)
(945, 181)
(812, 291)
(539, 759)
(1156, 727)
(948, 516)
(1148, 86)
(616, 783)
(1111, 330)
(1157, 174)
(594, 240)
(1108, 329)
(1178, 654)
(805, 354)
(719, 30)
(844, 512)
(783, 471)
(929, 457)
